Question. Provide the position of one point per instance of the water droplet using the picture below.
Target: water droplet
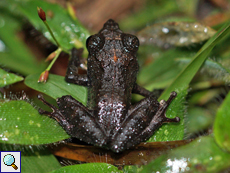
(165, 30)
(2, 47)
(31, 122)
(5, 139)
(205, 30)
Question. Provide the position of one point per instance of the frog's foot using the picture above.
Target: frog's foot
(76, 119)
(55, 114)
(163, 107)
(143, 120)
(41, 111)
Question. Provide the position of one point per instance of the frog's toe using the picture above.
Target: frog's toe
(170, 120)
(40, 97)
(41, 111)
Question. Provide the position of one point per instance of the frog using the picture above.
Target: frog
(110, 120)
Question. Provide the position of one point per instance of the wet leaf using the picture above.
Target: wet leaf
(197, 120)
(7, 78)
(184, 78)
(180, 84)
(38, 158)
(69, 32)
(168, 34)
(22, 124)
(13, 52)
(56, 87)
(88, 168)
(162, 71)
(201, 155)
(173, 131)
(212, 67)
(221, 125)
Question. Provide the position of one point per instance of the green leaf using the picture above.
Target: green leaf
(22, 124)
(88, 168)
(201, 155)
(56, 87)
(7, 78)
(14, 53)
(40, 160)
(175, 33)
(68, 31)
(172, 131)
(33, 158)
(132, 169)
(184, 78)
(221, 125)
(197, 120)
(162, 71)
(180, 84)
(212, 67)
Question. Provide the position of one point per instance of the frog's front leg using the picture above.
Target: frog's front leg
(73, 74)
(137, 89)
(75, 119)
(143, 119)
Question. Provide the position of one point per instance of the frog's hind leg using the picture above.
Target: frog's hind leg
(76, 119)
(55, 114)
(143, 119)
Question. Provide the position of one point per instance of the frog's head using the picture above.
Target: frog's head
(112, 43)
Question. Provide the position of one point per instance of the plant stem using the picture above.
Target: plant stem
(50, 31)
(58, 51)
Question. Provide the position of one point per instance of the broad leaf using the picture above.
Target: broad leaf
(221, 124)
(13, 52)
(7, 78)
(168, 34)
(56, 87)
(38, 158)
(184, 78)
(41, 160)
(22, 124)
(201, 155)
(173, 131)
(68, 31)
(89, 168)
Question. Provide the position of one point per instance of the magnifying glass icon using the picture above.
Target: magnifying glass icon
(9, 160)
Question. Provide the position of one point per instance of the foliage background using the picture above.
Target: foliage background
(197, 69)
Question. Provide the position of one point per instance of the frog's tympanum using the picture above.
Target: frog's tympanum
(109, 120)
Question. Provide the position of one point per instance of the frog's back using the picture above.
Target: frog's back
(112, 73)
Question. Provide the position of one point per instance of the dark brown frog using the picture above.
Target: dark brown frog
(110, 120)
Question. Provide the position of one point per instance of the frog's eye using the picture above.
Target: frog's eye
(130, 42)
(95, 43)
